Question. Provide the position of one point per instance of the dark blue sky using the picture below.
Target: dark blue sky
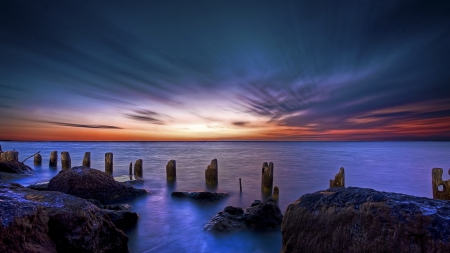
(225, 70)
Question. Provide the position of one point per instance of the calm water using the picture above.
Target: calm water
(167, 224)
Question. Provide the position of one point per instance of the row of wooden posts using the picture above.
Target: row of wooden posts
(66, 162)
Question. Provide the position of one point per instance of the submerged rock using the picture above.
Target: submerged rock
(42, 186)
(44, 221)
(90, 183)
(122, 219)
(259, 216)
(364, 220)
(15, 167)
(201, 196)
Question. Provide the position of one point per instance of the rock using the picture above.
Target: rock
(43, 221)
(212, 173)
(260, 216)
(122, 219)
(201, 196)
(42, 186)
(117, 207)
(90, 183)
(339, 179)
(128, 179)
(15, 167)
(364, 220)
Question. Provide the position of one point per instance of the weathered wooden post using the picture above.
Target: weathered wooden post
(53, 159)
(171, 170)
(436, 181)
(211, 173)
(276, 193)
(109, 163)
(267, 177)
(12, 155)
(240, 185)
(2, 156)
(87, 159)
(130, 169)
(339, 179)
(138, 168)
(37, 159)
(66, 163)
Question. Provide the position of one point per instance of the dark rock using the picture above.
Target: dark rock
(90, 183)
(117, 207)
(15, 167)
(122, 219)
(364, 220)
(201, 196)
(43, 221)
(260, 216)
(233, 210)
(256, 202)
(38, 186)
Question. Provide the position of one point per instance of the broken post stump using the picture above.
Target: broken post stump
(109, 163)
(87, 159)
(53, 159)
(11, 156)
(240, 185)
(138, 168)
(130, 169)
(66, 163)
(436, 181)
(171, 170)
(276, 193)
(37, 159)
(211, 173)
(339, 179)
(267, 177)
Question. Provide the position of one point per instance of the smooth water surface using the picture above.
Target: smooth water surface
(169, 224)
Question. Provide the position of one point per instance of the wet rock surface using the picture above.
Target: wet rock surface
(90, 183)
(15, 167)
(364, 220)
(38, 186)
(44, 221)
(201, 196)
(259, 216)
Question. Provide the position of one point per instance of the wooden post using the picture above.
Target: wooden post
(171, 170)
(267, 178)
(37, 159)
(276, 193)
(66, 163)
(211, 173)
(339, 179)
(53, 159)
(130, 169)
(87, 159)
(436, 181)
(138, 168)
(109, 163)
(240, 185)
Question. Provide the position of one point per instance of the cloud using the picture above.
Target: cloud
(240, 123)
(146, 116)
(82, 125)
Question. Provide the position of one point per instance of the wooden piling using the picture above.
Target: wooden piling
(240, 185)
(87, 159)
(339, 179)
(211, 173)
(130, 169)
(267, 177)
(66, 163)
(138, 168)
(171, 170)
(109, 163)
(37, 159)
(53, 159)
(276, 193)
(436, 181)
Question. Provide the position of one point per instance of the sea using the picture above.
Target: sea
(170, 224)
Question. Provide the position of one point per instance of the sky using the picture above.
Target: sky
(224, 70)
